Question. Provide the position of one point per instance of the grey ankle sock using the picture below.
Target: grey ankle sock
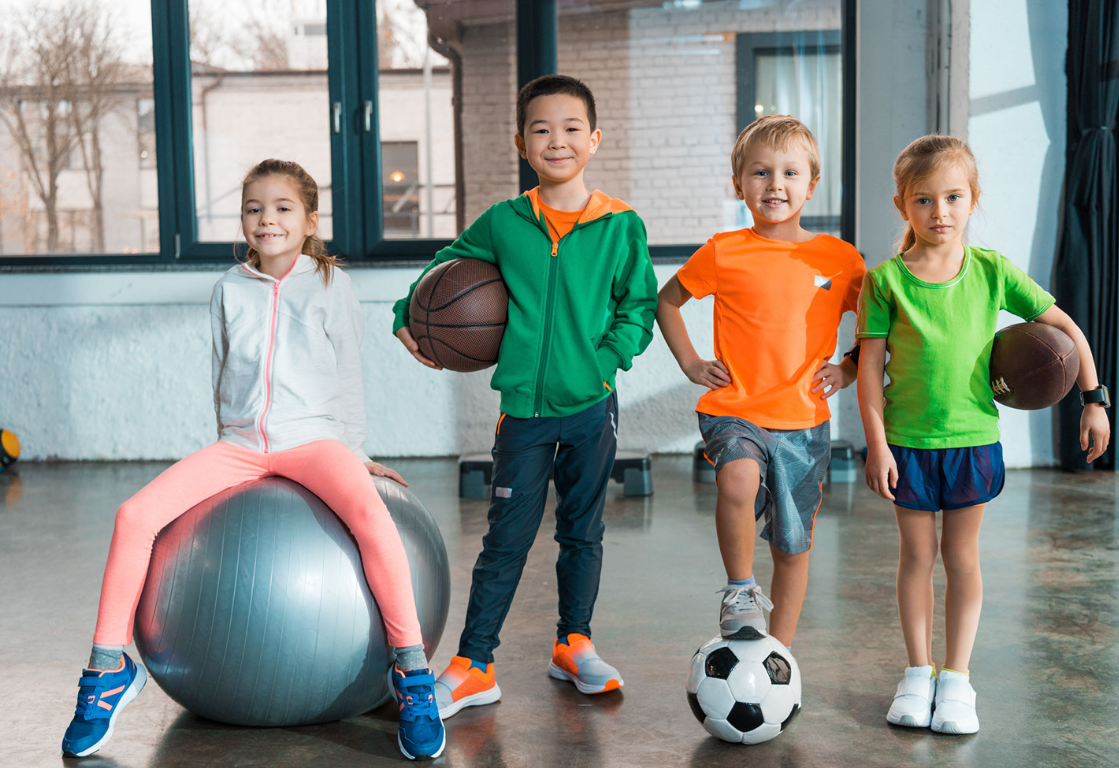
(105, 657)
(410, 658)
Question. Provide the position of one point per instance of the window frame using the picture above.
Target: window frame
(355, 150)
(747, 48)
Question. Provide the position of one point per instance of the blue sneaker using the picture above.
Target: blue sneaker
(101, 697)
(421, 735)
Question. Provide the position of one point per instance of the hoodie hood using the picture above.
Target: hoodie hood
(599, 206)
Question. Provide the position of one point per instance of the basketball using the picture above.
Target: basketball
(1032, 366)
(458, 313)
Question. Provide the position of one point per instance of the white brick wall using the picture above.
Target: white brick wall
(665, 88)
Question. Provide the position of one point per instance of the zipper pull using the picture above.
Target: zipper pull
(555, 249)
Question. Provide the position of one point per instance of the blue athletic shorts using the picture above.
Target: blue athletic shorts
(948, 478)
(793, 463)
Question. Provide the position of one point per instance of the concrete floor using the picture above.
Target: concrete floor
(1046, 663)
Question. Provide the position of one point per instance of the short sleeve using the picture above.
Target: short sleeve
(698, 275)
(1020, 294)
(874, 310)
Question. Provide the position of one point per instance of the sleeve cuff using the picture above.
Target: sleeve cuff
(609, 361)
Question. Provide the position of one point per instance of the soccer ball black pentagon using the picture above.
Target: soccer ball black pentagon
(744, 691)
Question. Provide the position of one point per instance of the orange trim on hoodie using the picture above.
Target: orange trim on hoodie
(600, 204)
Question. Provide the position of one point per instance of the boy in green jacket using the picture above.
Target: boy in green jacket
(582, 300)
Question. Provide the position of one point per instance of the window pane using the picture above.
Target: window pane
(668, 78)
(77, 131)
(473, 42)
(259, 90)
(806, 81)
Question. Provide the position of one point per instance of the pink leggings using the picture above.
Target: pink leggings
(326, 468)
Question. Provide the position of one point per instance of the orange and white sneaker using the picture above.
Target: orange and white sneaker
(574, 658)
(462, 685)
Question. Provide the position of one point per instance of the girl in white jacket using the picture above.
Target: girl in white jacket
(290, 401)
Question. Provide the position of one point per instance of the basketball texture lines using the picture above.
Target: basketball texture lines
(458, 313)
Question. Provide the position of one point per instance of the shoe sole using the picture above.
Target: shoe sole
(743, 633)
(132, 692)
(907, 721)
(435, 754)
(955, 728)
(558, 673)
(479, 699)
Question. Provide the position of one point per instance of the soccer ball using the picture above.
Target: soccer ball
(744, 691)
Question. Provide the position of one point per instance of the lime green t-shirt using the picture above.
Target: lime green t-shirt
(939, 337)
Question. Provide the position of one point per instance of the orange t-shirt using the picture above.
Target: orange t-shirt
(777, 311)
(560, 222)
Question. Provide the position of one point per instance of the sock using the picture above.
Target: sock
(742, 582)
(105, 658)
(965, 673)
(478, 665)
(789, 648)
(411, 657)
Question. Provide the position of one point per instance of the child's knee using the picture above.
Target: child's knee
(919, 554)
(738, 482)
(795, 561)
(960, 562)
(132, 518)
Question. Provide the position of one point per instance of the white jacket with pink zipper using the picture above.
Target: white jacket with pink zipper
(287, 359)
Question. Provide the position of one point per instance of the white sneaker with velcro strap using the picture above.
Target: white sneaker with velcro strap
(955, 704)
(913, 702)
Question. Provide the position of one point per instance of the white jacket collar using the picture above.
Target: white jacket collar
(302, 264)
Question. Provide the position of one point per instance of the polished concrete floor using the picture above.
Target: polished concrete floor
(1046, 662)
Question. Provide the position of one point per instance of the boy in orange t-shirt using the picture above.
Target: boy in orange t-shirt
(780, 292)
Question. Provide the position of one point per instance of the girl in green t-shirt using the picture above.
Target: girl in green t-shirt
(932, 434)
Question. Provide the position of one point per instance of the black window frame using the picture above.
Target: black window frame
(355, 145)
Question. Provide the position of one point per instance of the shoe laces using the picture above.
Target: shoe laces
(745, 598)
(417, 700)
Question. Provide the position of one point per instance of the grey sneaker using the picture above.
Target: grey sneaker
(740, 616)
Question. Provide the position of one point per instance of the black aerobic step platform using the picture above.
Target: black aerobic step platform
(633, 469)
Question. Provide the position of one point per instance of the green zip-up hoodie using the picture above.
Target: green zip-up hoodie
(579, 309)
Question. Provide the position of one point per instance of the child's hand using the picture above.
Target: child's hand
(710, 373)
(380, 470)
(835, 376)
(406, 339)
(881, 472)
(1093, 424)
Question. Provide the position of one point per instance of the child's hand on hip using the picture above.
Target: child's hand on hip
(710, 373)
(836, 377)
(881, 472)
(413, 347)
(382, 471)
(1093, 424)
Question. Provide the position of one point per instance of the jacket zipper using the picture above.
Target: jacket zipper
(268, 364)
(538, 405)
(553, 267)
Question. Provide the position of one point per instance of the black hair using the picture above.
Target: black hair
(550, 85)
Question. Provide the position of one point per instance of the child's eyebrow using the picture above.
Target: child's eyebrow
(565, 120)
(932, 194)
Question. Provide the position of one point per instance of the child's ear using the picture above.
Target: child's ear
(596, 138)
(737, 188)
(975, 201)
(900, 205)
(519, 140)
(312, 224)
(812, 187)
